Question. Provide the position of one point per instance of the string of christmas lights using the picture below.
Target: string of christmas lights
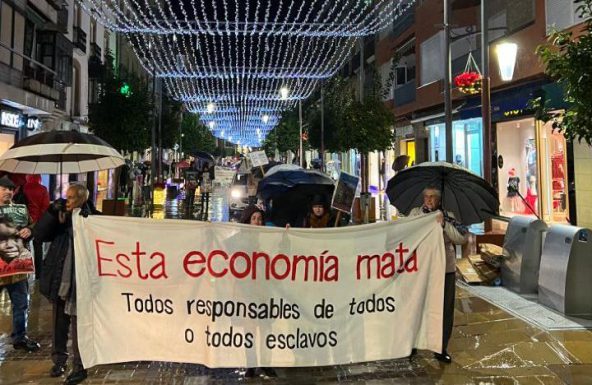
(354, 18)
(241, 63)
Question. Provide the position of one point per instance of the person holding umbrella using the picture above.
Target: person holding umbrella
(454, 234)
(58, 283)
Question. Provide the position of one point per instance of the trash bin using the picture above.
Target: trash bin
(523, 245)
(565, 279)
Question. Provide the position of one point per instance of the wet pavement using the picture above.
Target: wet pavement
(489, 346)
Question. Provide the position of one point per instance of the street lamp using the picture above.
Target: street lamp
(265, 119)
(211, 107)
(211, 124)
(506, 60)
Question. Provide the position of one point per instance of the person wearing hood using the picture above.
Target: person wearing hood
(320, 215)
(37, 203)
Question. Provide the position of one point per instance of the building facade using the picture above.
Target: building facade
(51, 53)
(526, 153)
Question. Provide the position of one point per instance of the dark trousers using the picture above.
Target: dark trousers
(76, 360)
(448, 319)
(38, 254)
(61, 327)
(19, 297)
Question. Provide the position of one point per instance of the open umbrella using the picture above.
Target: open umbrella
(203, 156)
(291, 187)
(183, 164)
(256, 171)
(60, 152)
(468, 196)
(285, 177)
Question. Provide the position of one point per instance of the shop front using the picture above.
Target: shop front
(532, 170)
(467, 143)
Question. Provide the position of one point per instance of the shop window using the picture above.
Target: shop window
(518, 176)
(6, 141)
(467, 144)
(555, 207)
(437, 142)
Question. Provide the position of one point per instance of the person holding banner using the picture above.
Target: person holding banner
(58, 279)
(17, 222)
(253, 215)
(454, 234)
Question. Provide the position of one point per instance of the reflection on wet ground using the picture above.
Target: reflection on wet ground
(489, 347)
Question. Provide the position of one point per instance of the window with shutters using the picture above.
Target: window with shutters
(432, 54)
(561, 14)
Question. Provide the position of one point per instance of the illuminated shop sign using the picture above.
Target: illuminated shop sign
(10, 119)
(16, 120)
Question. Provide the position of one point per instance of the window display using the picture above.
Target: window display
(556, 207)
(467, 144)
(533, 169)
(516, 146)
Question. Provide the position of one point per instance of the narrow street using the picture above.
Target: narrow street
(489, 347)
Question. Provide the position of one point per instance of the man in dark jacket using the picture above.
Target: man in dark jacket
(37, 202)
(58, 278)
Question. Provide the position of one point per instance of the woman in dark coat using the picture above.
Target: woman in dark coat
(58, 279)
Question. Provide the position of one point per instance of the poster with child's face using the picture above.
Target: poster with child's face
(14, 256)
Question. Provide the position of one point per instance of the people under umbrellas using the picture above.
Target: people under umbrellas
(320, 215)
(454, 234)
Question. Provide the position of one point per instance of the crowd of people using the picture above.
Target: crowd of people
(27, 217)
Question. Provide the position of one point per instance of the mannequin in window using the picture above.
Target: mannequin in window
(531, 195)
(513, 188)
(557, 172)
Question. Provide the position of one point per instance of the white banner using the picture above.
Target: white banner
(230, 295)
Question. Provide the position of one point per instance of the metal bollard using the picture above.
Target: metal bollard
(523, 245)
(565, 280)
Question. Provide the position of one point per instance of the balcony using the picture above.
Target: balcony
(79, 40)
(41, 81)
(405, 94)
(95, 50)
(403, 22)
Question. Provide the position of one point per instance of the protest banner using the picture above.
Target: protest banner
(14, 256)
(232, 295)
(345, 192)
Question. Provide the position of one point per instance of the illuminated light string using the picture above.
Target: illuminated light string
(231, 67)
(276, 57)
(353, 18)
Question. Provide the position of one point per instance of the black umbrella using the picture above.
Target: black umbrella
(401, 162)
(204, 156)
(60, 152)
(285, 177)
(468, 196)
